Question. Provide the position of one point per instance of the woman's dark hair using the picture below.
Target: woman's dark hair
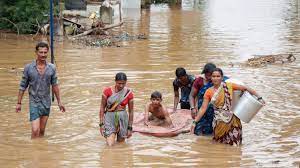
(208, 68)
(219, 70)
(121, 77)
(156, 94)
(41, 44)
(180, 72)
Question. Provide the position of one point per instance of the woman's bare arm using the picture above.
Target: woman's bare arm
(130, 111)
(102, 108)
(250, 90)
(192, 97)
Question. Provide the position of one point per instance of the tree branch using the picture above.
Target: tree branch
(98, 28)
(11, 23)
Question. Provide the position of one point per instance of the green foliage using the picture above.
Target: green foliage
(24, 13)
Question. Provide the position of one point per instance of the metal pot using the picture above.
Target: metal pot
(247, 107)
(236, 97)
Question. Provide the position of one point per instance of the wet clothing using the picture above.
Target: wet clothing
(185, 105)
(204, 126)
(229, 133)
(39, 88)
(185, 91)
(227, 127)
(116, 117)
(116, 122)
(108, 92)
(36, 110)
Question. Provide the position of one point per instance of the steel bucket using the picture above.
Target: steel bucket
(236, 93)
(247, 107)
(236, 97)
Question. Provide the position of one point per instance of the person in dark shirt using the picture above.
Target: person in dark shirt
(184, 83)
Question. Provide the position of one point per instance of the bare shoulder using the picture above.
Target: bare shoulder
(148, 106)
(164, 109)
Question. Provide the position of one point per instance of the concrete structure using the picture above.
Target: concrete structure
(110, 15)
(131, 4)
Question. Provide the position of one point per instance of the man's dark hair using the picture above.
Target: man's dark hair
(180, 72)
(41, 44)
(121, 76)
(156, 94)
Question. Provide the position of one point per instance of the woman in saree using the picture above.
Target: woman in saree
(115, 122)
(200, 85)
(227, 128)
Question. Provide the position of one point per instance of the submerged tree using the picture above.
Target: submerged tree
(23, 15)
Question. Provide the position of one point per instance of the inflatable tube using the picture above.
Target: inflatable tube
(181, 120)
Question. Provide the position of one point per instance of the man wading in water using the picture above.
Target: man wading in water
(39, 75)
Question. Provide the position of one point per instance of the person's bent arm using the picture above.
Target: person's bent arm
(55, 90)
(200, 114)
(192, 97)
(193, 102)
(202, 110)
(251, 91)
(176, 100)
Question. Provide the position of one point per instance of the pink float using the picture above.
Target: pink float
(181, 120)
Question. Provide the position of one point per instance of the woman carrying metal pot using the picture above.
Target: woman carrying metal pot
(227, 128)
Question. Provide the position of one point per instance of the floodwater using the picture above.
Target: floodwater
(224, 32)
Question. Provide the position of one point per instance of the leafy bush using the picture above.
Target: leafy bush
(24, 13)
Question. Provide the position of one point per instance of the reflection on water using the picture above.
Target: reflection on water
(224, 32)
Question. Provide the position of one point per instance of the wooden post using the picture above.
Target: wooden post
(120, 11)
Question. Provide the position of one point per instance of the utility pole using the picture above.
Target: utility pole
(51, 36)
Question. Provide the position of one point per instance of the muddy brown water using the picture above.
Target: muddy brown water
(223, 32)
